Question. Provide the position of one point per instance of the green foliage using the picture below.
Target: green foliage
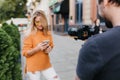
(14, 65)
(5, 40)
(12, 30)
(38, 0)
(10, 67)
(4, 24)
(12, 8)
(17, 72)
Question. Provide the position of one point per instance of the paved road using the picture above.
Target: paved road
(64, 56)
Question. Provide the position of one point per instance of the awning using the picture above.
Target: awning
(52, 2)
(62, 8)
(57, 9)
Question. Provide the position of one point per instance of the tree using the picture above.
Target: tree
(12, 8)
(10, 66)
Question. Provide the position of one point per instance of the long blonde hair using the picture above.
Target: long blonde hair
(43, 20)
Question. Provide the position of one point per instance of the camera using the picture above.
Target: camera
(83, 32)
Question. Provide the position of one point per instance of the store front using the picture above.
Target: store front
(60, 16)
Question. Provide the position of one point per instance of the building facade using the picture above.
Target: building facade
(62, 14)
(59, 14)
(72, 13)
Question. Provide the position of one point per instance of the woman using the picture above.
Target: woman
(36, 48)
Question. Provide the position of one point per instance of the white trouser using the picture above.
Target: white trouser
(49, 74)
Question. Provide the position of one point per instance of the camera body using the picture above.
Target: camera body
(83, 32)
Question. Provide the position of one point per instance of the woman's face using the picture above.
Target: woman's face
(38, 23)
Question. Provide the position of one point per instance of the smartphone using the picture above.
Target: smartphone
(45, 42)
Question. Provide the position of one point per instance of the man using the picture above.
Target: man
(99, 57)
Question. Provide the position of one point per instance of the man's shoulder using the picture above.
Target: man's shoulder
(105, 37)
(101, 37)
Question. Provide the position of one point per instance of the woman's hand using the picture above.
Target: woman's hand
(42, 46)
(48, 49)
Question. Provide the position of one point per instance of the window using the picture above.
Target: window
(57, 18)
(78, 12)
(78, 0)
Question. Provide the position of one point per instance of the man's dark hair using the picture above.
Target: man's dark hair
(99, 1)
(117, 2)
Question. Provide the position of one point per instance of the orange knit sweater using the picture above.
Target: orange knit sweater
(40, 60)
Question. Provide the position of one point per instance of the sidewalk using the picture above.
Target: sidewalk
(64, 56)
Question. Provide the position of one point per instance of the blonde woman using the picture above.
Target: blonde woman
(36, 48)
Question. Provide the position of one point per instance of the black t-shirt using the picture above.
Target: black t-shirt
(99, 58)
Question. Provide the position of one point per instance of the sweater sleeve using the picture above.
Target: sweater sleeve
(89, 61)
(27, 45)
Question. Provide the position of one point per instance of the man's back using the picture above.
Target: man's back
(99, 58)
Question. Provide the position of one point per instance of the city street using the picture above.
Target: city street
(79, 18)
(64, 56)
